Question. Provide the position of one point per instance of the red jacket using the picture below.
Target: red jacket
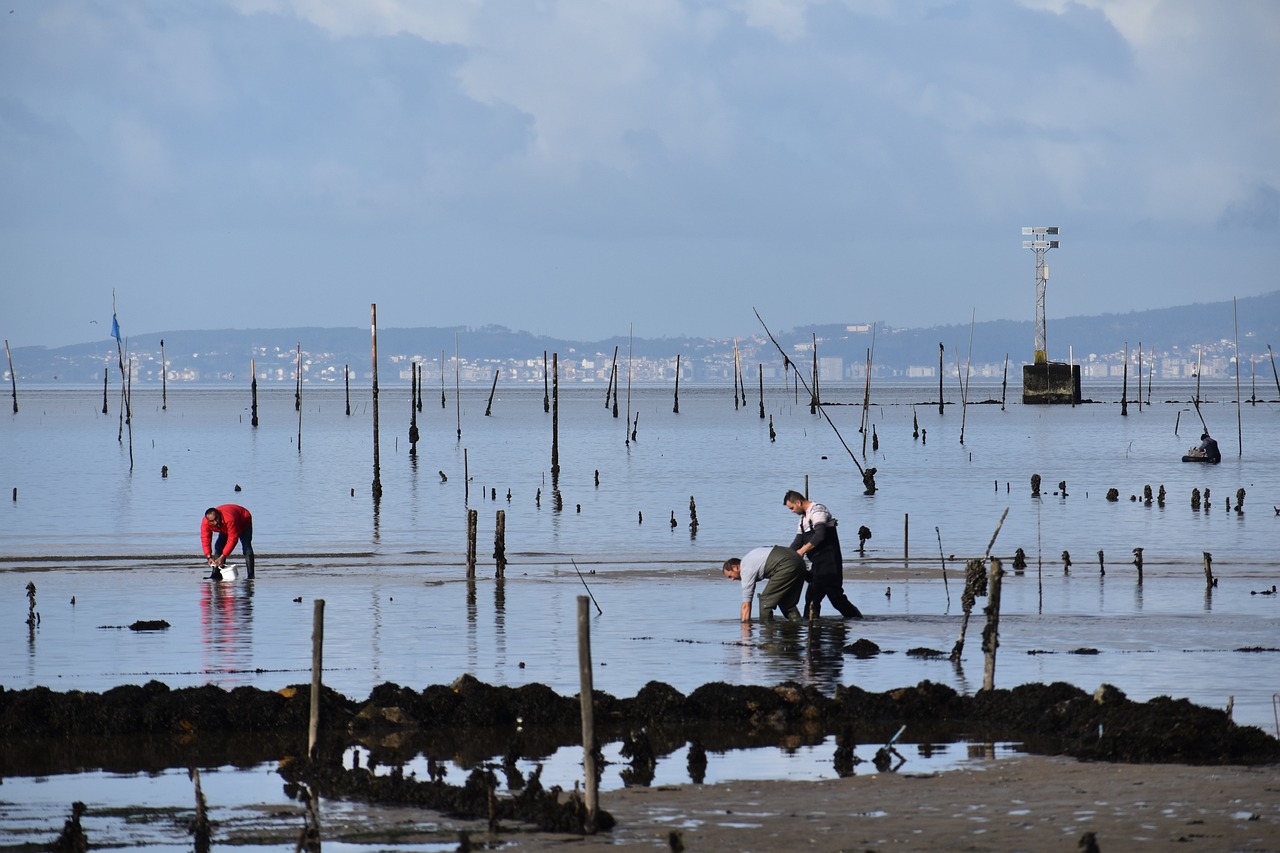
(234, 520)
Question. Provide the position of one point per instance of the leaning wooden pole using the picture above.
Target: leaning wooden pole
(613, 378)
(586, 694)
(1274, 374)
(675, 408)
(13, 377)
(377, 462)
(488, 410)
(1004, 382)
(317, 667)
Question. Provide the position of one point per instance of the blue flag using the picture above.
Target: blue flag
(115, 327)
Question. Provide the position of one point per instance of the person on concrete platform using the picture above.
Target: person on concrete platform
(781, 567)
(817, 538)
(232, 523)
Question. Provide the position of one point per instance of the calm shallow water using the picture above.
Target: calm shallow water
(105, 546)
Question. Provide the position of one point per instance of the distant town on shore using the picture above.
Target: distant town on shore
(1167, 344)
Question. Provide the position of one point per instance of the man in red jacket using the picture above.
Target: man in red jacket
(233, 524)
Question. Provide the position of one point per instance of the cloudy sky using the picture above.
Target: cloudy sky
(581, 167)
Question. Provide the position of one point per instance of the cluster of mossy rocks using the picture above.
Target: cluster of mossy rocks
(395, 721)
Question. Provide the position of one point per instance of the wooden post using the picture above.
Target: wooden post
(555, 415)
(1124, 386)
(317, 667)
(297, 376)
(630, 341)
(164, 378)
(500, 543)
(866, 404)
(546, 397)
(906, 538)
(941, 350)
(418, 372)
(442, 404)
(676, 407)
(587, 696)
(472, 532)
(466, 478)
(760, 371)
(457, 384)
(1139, 376)
(253, 393)
(736, 372)
(1209, 582)
(298, 397)
(377, 463)
(13, 377)
(991, 633)
(814, 397)
(488, 410)
(413, 410)
(346, 381)
(105, 376)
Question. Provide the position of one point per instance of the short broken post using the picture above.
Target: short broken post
(500, 543)
(991, 633)
(472, 525)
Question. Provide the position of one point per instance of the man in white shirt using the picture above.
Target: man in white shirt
(784, 571)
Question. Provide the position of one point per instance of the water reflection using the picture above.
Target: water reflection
(226, 626)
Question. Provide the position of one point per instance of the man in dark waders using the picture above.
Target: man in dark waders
(784, 571)
(816, 538)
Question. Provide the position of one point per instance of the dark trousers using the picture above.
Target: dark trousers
(246, 547)
(830, 586)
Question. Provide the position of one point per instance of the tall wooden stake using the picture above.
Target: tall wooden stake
(941, 350)
(457, 383)
(630, 340)
(1004, 382)
(760, 375)
(488, 410)
(1139, 376)
(587, 695)
(377, 462)
(555, 415)
(105, 375)
(298, 397)
(164, 379)
(253, 393)
(297, 388)
(1124, 385)
(991, 633)
(346, 382)
(546, 394)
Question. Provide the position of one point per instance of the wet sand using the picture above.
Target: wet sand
(1032, 803)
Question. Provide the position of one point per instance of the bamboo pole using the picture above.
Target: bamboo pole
(442, 362)
(129, 408)
(13, 377)
(1235, 313)
(630, 341)
(377, 464)
(587, 697)
(317, 667)
(866, 403)
(546, 394)
(297, 389)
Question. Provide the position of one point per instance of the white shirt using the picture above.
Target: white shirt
(752, 568)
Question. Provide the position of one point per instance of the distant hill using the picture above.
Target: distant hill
(225, 354)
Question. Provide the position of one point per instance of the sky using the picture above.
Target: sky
(589, 168)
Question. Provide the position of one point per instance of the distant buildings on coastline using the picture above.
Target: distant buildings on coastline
(713, 365)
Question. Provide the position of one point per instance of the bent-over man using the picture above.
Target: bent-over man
(784, 571)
